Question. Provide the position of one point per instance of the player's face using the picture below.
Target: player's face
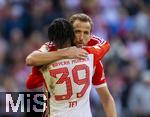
(82, 32)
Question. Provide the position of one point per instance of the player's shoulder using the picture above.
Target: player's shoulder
(48, 46)
(94, 37)
(96, 40)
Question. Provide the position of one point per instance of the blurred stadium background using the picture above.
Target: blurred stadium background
(124, 23)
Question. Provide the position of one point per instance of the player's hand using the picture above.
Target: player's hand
(74, 52)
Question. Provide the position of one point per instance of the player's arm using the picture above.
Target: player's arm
(106, 98)
(107, 101)
(38, 58)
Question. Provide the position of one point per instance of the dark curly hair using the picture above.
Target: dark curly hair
(61, 33)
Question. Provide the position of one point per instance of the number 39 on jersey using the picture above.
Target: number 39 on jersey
(69, 79)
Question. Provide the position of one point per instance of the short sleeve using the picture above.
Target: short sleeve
(98, 79)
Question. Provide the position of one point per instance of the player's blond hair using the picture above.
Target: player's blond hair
(82, 17)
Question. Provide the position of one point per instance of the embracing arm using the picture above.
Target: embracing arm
(38, 58)
(107, 101)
